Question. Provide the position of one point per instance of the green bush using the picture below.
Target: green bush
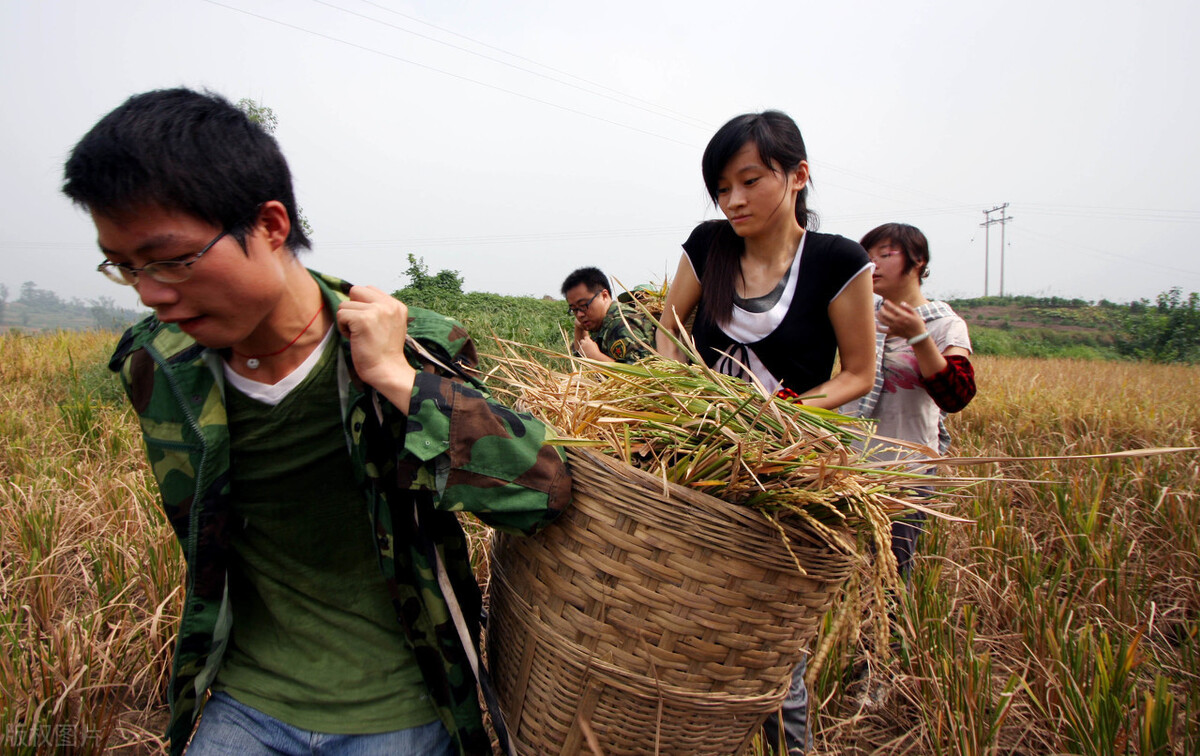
(1168, 331)
(1038, 342)
(537, 322)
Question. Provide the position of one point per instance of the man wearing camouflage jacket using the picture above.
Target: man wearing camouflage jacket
(311, 440)
(605, 329)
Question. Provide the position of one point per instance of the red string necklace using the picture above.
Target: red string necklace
(253, 360)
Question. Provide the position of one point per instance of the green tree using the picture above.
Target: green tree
(265, 117)
(447, 281)
(1167, 331)
(260, 114)
(32, 296)
(108, 315)
(417, 272)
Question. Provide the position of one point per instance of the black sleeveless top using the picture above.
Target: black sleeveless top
(800, 351)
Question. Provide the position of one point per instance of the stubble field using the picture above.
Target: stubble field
(1064, 619)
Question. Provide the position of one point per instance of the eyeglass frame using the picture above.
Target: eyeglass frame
(887, 255)
(581, 309)
(118, 272)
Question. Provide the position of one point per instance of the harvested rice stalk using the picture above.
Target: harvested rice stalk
(709, 431)
(689, 425)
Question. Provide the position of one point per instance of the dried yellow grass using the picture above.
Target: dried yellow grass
(89, 573)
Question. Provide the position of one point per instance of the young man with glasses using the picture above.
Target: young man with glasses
(311, 440)
(605, 329)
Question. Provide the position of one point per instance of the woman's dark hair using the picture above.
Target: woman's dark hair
(781, 148)
(185, 151)
(908, 239)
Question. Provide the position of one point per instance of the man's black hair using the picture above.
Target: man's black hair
(592, 277)
(183, 151)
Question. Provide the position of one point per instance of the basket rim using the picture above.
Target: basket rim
(711, 512)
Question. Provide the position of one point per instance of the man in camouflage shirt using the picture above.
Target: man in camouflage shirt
(312, 441)
(605, 329)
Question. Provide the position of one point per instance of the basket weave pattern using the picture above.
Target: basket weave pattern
(662, 621)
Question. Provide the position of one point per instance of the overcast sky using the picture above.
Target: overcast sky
(515, 141)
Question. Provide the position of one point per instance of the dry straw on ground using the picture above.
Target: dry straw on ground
(90, 577)
(1066, 619)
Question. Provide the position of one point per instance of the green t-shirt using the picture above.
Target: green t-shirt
(315, 640)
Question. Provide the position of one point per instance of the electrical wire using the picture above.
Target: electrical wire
(1112, 213)
(676, 231)
(683, 117)
(443, 72)
(1141, 261)
(1035, 209)
(822, 164)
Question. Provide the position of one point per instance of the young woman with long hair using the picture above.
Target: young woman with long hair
(775, 301)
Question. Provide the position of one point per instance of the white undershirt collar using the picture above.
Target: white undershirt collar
(274, 393)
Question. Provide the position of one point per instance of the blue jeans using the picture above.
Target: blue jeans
(230, 727)
(905, 534)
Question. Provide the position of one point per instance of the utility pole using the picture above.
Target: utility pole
(987, 223)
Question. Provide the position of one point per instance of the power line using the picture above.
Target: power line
(1003, 220)
(505, 63)
(656, 109)
(513, 238)
(589, 82)
(1105, 253)
(1114, 213)
(1046, 210)
(913, 213)
(447, 73)
(895, 187)
(322, 35)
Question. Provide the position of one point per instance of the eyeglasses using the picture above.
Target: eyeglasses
(165, 271)
(881, 256)
(577, 310)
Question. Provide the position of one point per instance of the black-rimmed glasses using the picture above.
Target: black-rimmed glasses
(164, 271)
(576, 311)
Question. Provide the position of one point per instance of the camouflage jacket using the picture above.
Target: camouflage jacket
(619, 338)
(455, 450)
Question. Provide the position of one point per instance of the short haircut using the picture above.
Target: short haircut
(592, 277)
(183, 151)
(908, 239)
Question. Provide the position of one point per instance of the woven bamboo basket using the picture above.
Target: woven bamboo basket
(652, 617)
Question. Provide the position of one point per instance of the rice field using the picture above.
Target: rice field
(1064, 619)
(89, 573)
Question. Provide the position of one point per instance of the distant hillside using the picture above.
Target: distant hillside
(1166, 330)
(37, 309)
